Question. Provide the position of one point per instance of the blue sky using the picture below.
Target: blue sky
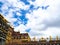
(39, 18)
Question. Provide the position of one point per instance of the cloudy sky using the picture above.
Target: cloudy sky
(39, 18)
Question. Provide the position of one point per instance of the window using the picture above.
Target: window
(21, 37)
(26, 37)
(14, 37)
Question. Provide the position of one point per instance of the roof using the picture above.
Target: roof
(1, 17)
(24, 34)
(19, 34)
(15, 33)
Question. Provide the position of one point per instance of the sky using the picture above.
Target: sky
(38, 18)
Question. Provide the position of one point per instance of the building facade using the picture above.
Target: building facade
(5, 31)
(37, 43)
(9, 35)
(18, 37)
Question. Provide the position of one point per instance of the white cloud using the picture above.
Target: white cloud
(18, 14)
(20, 28)
(37, 2)
(14, 6)
(53, 31)
(37, 19)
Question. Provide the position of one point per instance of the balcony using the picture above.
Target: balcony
(3, 35)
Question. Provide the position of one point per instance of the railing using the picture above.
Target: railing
(34, 43)
(3, 31)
